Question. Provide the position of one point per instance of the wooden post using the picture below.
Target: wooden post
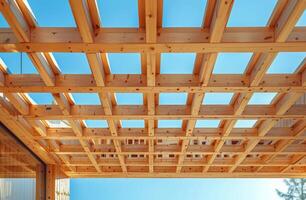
(50, 182)
(40, 182)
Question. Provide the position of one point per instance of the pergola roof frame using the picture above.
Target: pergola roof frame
(248, 156)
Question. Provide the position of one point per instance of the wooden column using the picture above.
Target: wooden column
(50, 182)
(40, 182)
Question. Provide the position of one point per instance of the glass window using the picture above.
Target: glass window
(20, 170)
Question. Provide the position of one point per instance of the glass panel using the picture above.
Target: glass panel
(19, 170)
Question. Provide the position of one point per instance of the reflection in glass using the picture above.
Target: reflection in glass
(19, 170)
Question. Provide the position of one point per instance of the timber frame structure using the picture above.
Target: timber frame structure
(266, 150)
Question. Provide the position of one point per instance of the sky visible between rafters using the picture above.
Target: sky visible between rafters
(176, 13)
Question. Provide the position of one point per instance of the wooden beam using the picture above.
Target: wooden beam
(234, 35)
(95, 62)
(269, 47)
(151, 36)
(82, 17)
(288, 19)
(219, 20)
(79, 112)
(171, 134)
(164, 83)
(15, 19)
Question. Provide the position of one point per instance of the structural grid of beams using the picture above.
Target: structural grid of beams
(274, 146)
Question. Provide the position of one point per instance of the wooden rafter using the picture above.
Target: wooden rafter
(86, 28)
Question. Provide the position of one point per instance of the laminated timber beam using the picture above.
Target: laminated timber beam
(175, 149)
(79, 112)
(151, 35)
(132, 37)
(201, 47)
(164, 174)
(173, 134)
(70, 83)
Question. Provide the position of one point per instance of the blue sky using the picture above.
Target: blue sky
(176, 13)
(175, 189)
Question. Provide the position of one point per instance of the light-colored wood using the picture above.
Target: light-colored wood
(50, 181)
(86, 30)
(151, 35)
(274, 147)
(219, 19)
(40, 182)
(286, 22)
